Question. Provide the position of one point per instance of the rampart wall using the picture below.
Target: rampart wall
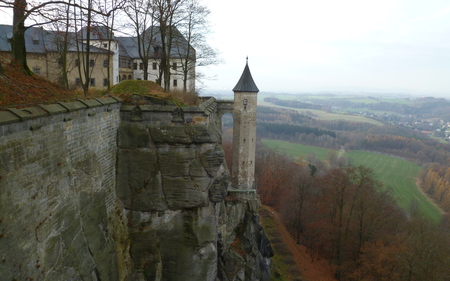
(57, 191)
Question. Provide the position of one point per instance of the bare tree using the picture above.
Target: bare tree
(142, 16)
(168, 16)
(195, 52)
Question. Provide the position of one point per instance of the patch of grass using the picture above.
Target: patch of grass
(283, 266)
(139, 87)
(128, 88)
(295, 149)
(400, 175)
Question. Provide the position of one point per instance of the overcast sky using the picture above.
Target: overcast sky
(312, 45)
(360, 45)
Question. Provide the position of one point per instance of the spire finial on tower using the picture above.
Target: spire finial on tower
(246, 61)
(246, 83)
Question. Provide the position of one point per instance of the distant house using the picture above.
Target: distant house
(119, 55)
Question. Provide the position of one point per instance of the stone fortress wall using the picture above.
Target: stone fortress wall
(57, 191)
(92, 189)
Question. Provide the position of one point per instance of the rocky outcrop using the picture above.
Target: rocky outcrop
(173, 182)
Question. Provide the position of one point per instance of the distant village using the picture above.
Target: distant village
(435, 127)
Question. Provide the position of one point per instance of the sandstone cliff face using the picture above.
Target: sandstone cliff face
(173, 182)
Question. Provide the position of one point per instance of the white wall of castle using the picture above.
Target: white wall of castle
(177, 74)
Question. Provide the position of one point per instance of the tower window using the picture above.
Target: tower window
(245, 102)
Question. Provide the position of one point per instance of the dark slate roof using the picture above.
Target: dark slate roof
(97, 33)
(38, 40)
(246, 83)
(128, 47)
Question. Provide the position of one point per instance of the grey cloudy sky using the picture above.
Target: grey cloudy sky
(359, 45)
(312, 45)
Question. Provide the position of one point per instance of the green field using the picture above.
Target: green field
(295, 149)
(322, 115)
(399, 174)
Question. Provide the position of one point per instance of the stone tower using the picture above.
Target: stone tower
(244, 131)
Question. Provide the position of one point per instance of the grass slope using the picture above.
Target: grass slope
(322, 115)
(399, 174)
(295, 149)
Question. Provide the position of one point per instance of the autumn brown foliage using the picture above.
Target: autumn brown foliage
(347, 216)
(435, 181)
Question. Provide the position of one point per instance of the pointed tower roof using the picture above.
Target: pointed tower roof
(246, 83)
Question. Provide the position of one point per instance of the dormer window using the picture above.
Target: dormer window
(35, 40)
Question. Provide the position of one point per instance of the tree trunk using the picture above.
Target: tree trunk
(18, 48)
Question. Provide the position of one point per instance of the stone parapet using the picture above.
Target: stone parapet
(168, 114)
(14, 115)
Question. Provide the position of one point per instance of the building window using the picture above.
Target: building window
(77, 62)
(175, 82)
(60, 61)
(123, 62)
(91, 63)
(141, 66)
(92, 82)
(154, 65)
(135, 65)
(105, 63)
(129, 77)
(105, 82)
(174, 66)
(37, 70)
(77, 82)
(105, 45)
(124, 77)
(129, 63)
